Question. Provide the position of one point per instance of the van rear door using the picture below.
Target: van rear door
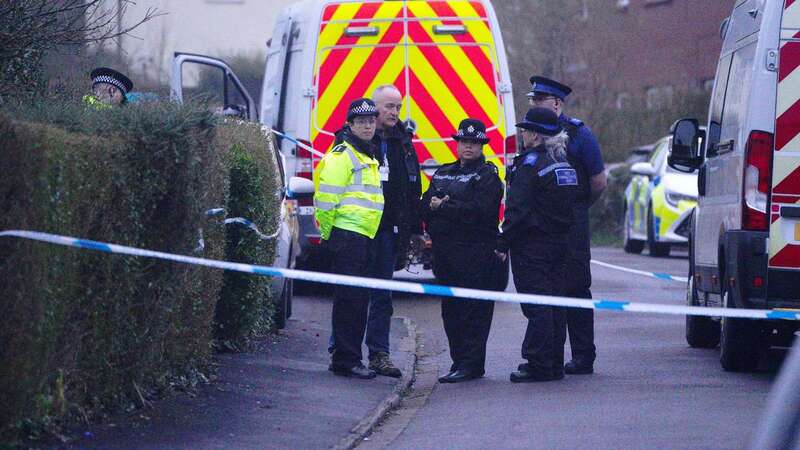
(453, 73)
(360, 47)
(441, 55)
(784, 231)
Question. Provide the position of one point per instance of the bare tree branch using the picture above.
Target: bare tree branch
(29, 28)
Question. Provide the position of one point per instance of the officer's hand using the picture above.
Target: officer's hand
(501, 255)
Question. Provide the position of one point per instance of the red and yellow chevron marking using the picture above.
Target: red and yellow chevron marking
(444, 78)
(784, 233)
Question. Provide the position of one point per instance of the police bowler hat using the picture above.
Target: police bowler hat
(112, 77)
(545, 86)
(361, 107)
(472, 129)
(541, 120)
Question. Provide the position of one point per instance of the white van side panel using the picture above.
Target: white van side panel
(743, 100)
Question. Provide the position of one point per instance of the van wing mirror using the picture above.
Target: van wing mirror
(300, 188)
(685, 153)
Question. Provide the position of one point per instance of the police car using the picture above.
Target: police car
(658, 203)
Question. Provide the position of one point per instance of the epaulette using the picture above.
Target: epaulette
(575, 122)
(530, 159)
(492, 166)
(339, 148)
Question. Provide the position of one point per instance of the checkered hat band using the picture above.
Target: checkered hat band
(111, 81)
(363, 110)
(479, 134)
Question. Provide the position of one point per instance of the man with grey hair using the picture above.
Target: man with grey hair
(400, 224)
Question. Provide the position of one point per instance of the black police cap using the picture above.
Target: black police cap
(472, 129)
(542, 85)
(112, 77)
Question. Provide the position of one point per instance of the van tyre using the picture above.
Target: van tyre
(654, 248)
(701, 331)
(740, 343)
(634, 246)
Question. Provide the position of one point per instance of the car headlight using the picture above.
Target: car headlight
(673, 198)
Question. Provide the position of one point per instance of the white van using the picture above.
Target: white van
(446, 57)
(745, 235)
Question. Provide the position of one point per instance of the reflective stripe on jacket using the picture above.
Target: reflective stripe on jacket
(348, 192)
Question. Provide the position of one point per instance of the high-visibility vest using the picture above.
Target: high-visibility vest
(92, 101)
(348, 193)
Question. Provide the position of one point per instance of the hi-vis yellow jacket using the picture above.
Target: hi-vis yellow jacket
(93, 102)
(348, 192)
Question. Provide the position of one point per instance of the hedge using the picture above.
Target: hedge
(83, 333)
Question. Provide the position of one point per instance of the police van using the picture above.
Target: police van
(447, 58)
(745, 231)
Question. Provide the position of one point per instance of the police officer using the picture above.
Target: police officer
(349, 204)
(537, 220)
(109, 88)
(583, 153)
(461, 209)
(402, 188)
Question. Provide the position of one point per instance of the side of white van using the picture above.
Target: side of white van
(742, 159)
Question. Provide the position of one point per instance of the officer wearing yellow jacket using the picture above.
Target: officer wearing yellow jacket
(349, 204)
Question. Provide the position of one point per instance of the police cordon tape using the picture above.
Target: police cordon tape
(404, 286)
(320, 154)
(659, 275)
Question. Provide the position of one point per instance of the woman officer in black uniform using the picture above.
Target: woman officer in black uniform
(541, 192)
(461, 210)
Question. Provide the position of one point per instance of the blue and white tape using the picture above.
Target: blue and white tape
(414, 288)
(658, 275)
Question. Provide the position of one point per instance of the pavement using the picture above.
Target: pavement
(278, 396)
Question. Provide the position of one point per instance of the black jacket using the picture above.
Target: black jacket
(541, 195)
(402, 192)
(472, 212)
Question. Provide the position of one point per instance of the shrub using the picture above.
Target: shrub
(605, 216)
(245, 308)
(83, 333)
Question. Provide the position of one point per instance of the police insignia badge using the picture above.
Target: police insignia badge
(566, 177)
(471, 129)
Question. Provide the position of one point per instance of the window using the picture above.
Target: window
(716, 109)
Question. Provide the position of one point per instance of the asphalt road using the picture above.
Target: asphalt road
(649, 390)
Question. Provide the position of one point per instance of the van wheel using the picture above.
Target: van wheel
(701, 331)
(654, 248)
(634, 246)
(284, 306)
(740, 346)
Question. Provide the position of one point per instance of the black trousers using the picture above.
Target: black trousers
(467, 322)
(348, 251)
(580, 321)
(538, 266)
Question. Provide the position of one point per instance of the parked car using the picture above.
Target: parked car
(745, 233)
(658, 201)
(292, 190)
